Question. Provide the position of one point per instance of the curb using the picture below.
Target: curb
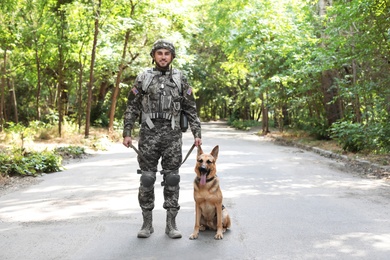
(364, 167)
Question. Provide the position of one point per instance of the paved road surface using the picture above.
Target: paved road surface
(285, 203)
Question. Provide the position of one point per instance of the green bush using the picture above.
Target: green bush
(315, 127)
(379, 134)
(19, 162)
(356, 137)
(351, 136)
(70, 151)
(243, 124)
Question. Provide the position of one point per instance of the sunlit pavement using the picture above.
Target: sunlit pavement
(285, 203)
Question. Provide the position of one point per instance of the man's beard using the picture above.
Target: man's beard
(162, 68)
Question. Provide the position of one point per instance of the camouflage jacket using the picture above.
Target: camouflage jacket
(161, 95)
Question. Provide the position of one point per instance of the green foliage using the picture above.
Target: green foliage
(240, 57)
(243, 124)
(19, 133)
(23, 163)
(99, 115)
(379, 134)
(20, 162)
(351, 136)
(70, 151)
(356, 137)
(315, 127)
(274, 53)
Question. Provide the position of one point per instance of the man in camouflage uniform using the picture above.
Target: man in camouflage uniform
(159, 96)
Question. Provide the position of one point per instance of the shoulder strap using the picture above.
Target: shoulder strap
(176, 77)
(147, 77)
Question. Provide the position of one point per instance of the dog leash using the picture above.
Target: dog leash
(145, 161)
(141, 156)
(188, 154)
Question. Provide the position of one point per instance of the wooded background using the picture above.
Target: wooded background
(321, 66)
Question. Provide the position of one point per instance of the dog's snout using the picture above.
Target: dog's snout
(203, 169)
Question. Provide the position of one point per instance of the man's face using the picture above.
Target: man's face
(163, 57)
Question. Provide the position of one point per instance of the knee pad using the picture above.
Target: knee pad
(147, 179)
(172, 179)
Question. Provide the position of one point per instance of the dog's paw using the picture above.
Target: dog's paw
(218, 236)
(202, 228)
(193, 236)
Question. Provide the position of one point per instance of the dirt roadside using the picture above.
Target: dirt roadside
(362, 167)
(366, 166)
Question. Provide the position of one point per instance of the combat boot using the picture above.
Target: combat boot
(147, 228)
(171, 229)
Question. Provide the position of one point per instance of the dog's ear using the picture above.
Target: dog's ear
(214, 152)
(200, 151)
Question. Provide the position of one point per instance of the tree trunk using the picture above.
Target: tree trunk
(14, 102)
(327, 78)
(122, 66)
(90, 83)
(2, 90)
(80, 92)
(265, 120)
(61, 86)
(117, 83)
(356, 102)
(38, 97)
(329, 95)
(323, 4)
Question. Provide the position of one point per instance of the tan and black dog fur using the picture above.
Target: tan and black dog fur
(209, 211)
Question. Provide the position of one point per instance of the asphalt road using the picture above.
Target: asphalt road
(285, 203)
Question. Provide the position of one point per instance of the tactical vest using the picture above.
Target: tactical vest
(161, 96)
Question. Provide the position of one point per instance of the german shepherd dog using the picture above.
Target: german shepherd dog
(209, 211)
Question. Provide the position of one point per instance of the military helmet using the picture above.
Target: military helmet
(163, 44)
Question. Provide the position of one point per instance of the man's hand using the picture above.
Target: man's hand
(198, 142)
(127, 141)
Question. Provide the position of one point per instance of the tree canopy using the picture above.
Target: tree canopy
(321, 66)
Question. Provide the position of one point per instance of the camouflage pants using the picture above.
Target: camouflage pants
(166, 143)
